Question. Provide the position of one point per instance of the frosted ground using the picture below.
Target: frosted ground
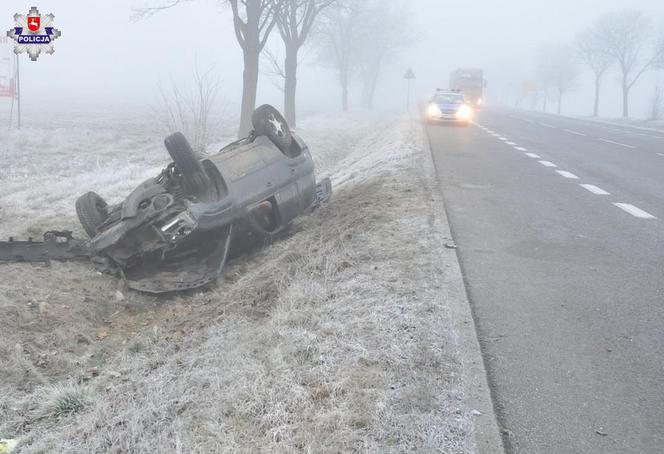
(337, 338)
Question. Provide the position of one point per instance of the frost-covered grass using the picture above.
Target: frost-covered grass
(334, 339)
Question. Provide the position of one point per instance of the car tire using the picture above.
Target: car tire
(196, 180)
(92, 211)
(267, 121)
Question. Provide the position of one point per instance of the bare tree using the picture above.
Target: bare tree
(656, 103)
(145, 12)
(557, 69)
(543, 75)
(295, 21)
(384, 33)
(188, 109)
(629, 38)
(590, 50)
(253, 21)
(339, 34)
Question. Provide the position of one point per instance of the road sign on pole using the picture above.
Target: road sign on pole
(409, 76)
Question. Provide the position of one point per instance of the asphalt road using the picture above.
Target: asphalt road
(566, 281)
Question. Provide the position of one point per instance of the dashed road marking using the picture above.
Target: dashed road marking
(503, 139)
(660, 154)
(575, 132)
(594, 189)
(547, 164)
(634, 211)
(617, 143)
(567, 174)
(510, 143)
(520, 148)
(533, 155)
(546, 125)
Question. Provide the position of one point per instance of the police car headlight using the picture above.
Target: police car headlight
(433, 111)
(464, 113)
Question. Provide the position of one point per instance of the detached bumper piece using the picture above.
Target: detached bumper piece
(56, 245)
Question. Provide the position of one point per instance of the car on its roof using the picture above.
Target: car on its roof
(175, 230)
(448, 106)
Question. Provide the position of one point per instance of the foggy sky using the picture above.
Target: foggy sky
(104, 59)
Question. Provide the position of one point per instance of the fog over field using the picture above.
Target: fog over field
(104, 58)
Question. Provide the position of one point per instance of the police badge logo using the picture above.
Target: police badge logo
(33, 33)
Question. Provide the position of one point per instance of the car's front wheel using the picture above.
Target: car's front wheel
(92, 211)
(196, 180)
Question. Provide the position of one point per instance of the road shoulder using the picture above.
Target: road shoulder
(478, 394)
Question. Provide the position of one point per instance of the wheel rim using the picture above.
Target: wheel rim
(277, 126)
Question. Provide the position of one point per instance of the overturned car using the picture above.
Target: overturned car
(176, 230)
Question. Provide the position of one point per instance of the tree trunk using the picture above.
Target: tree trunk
(344, 97)
(596, 107)
(344, 91)
(249, 88)
(625, 90)
(372, 86)
(290, 84)
(560, 103)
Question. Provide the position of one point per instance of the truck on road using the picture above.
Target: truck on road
(470, 82)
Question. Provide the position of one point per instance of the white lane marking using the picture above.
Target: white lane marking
(520, 148)
(575, 132)
(657, 137)
(510, 143)
(546, 125)
(594, 189)
(547, 164)
(533, 155)
(503, 139)
(634, 211)
(617, 143)
(661, 154)
(567, 174)
(529, 121)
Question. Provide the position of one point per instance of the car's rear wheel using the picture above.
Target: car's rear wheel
(267, 121)
(92, 211)
(191, 169)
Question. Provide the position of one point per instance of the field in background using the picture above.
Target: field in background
(336, 338)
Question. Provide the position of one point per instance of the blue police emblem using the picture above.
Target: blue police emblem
(33, 33)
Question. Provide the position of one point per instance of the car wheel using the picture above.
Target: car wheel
(92, 211)
(191, 169)
(267, 121)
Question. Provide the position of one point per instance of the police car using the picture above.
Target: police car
(448, 106)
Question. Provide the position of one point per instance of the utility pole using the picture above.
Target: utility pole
(18, 90)
(409, 76)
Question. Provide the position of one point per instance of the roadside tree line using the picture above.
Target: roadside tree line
(355, 38)
(625, 42)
